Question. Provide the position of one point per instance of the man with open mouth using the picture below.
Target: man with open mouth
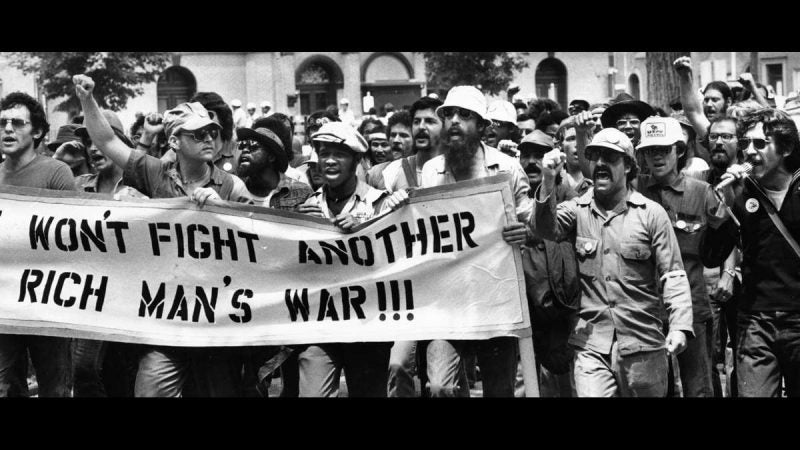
(630, 269)
(769, 313)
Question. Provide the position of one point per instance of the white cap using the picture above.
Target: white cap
(467, 97)
(236, 103)
(502, 111)
(345, 101)
(251, 106)
(266, 104)
(659, 131)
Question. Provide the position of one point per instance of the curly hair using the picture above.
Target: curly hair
(401, 117)
(778, 125)
(423, 104)
(38, 116)
(138, 123)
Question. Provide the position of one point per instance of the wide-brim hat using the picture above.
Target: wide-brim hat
(116, 126)
(65, 134)
(467, 97)
(271, 142)
(637, 107)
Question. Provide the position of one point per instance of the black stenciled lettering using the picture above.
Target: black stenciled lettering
(249, 238)
(180, 306)
(98, 292)
(48, 285)
(73, 235)
(297, 304)
(155, 238)
(57, 299)
(442, 235)
(410, 237)
(306, 253)
(95, 236)
(39, 232)
(385, 234)
(204, 303)
(242, 305)
(340, 250)
(466, 230)
(369, 258)
(326, 306)
(205, 247)
(219, 243)
(357, 300)
(150, 304)
(118, 227)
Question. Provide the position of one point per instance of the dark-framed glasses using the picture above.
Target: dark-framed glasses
(465, 114)
(202, 134)
(726, 137)
(657, 151)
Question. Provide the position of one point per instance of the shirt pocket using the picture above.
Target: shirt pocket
(586, 251)
(689, 234)
(635, 263)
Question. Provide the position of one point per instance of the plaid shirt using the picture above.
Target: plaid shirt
(288, 195)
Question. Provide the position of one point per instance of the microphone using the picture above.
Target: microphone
(748, 168)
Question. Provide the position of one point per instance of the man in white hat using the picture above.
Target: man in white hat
(239, 116)
(252, 115)
(691, 206)
(502, 133)
(465, 157)
(346, 114)
(346, 202)
(266, 109)
(630, 269)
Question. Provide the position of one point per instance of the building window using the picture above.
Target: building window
(387, 77)
(175, 86)
(317, 79)
(551, 81)
(633, 86)
(774, 77)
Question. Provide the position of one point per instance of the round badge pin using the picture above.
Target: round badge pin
(227, 167)
(681, 224)
(587, 246)
(751, 205)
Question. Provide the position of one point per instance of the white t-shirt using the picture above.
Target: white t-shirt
(777, 197)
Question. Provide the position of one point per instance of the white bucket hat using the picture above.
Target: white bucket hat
(467, 97)
(502, 111)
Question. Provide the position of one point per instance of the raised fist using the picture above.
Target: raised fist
(84, 86)
(552, 163)
(584, 120)
(683, 65)
(747, 81)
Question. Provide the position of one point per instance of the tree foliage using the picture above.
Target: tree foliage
(118, 76)
(492, 71)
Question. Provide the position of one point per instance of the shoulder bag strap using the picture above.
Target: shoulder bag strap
(411, 174)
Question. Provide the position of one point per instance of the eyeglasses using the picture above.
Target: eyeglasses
(16, 123)
(726, 137)
(758, 143)
(249, 145)
(202, 134)
(465, 114)
(608, 155)
(656, 151)
(632, 122)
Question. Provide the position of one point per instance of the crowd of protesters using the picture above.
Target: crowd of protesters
(658, 248)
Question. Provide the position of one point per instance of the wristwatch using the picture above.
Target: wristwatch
(730, 272)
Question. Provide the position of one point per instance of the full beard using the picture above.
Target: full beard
(459, 155)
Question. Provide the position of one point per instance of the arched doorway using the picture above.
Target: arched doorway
(387, 77)
(175, 86)
(551, 81)
(317, 79)
(633, 86)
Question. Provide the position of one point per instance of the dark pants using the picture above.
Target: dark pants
(769, 349)
(166, 372)
(724, 335)
(103, 369)
(51, 358)
(497, 360)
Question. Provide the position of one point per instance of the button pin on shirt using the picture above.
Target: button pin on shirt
(587, 246)
(681, 224)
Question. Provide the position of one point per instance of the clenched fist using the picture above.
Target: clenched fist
(585, 121)
(552, 163)
(683, 65)
(84, 86)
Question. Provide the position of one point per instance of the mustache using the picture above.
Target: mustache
(422, 134)
(602, 169)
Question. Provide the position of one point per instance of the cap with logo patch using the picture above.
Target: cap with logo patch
(660, 132)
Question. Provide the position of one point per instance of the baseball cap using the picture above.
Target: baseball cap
(660, 131)
(502, 111)
(187, 116)
(614, 139)
(467, 97)
(266, 104)
(340, 133)
(271, 142)
(236, 103)
(113, 120)
(534, 139)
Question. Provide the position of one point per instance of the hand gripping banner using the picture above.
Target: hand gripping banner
(166, 272)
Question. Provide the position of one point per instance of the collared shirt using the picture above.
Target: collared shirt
(161, 179)
(361, 205)
(228, 157)
(288, 195)
(394, 175)
(88, 183)
(623, 259)
(436, 173)
(690, 205)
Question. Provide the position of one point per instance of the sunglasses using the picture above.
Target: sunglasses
(726, 137)
(16, 123)
(657, 151)
(631, 122)
(608, 155)
(758, 143)
(465, 114)
(202, 134)
(249, 145)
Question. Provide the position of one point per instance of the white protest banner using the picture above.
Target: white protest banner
(166, 272)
